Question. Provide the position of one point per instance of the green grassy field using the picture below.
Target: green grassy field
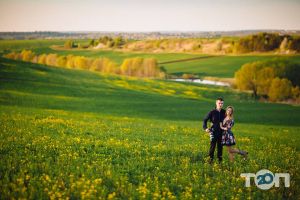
(117, 56)
(201, 64)
(81, 135)
(222, 66)
(215, 66)
(17, 45)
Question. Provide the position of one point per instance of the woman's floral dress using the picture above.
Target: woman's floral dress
(227, 136)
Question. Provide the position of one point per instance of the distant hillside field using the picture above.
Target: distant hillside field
(78, 134)
(221, 66)
(28, 44)
(180, 63)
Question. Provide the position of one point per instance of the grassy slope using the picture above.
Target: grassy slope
(27, 44)
(223, 66)
(217, 66)
(117, 56)
(139, 98)
(65, 130)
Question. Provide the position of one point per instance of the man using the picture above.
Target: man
(215, 116)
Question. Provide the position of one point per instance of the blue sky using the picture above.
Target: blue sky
(154, 15)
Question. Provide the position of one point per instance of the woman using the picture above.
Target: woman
(228, 137)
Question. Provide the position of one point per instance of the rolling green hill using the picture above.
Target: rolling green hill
(117, 56)
(220, 66)
(175, 63)
(79, 134)
(10, 45)
(180, 63)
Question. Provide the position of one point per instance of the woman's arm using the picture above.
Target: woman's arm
(230, 125)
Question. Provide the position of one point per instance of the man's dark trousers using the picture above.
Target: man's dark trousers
(216, 141)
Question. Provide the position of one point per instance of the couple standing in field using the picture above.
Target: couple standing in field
(220, 131)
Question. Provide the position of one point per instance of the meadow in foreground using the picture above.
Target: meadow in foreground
(75, 134)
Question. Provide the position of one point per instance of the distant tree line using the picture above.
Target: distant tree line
(138, 67)
(264, 42)
(105, 41)
(167, 45)
(141, 67)
(276, 80)
(261, 42)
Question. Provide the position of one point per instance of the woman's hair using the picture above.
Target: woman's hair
(228, 107)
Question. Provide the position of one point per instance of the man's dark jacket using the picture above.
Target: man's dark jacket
(215, 117)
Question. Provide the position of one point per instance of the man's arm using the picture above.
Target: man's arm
(208, 116)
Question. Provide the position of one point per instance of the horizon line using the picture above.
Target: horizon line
(152, 31)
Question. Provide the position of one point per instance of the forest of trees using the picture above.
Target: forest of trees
(261, 42)
(105, 41)
(141, 67)
(276, 80)
(138, 67)
(264, 42)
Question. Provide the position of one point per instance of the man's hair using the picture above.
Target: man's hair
(220, 99)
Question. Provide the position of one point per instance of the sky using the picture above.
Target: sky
(144, 16)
